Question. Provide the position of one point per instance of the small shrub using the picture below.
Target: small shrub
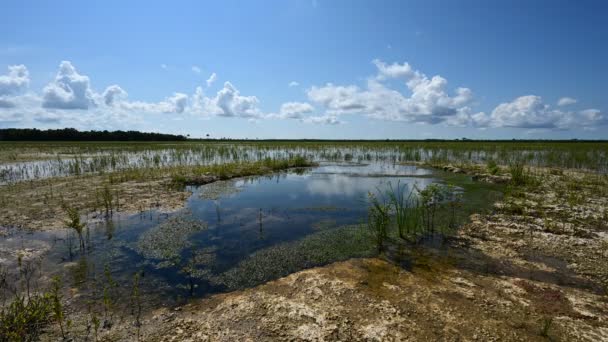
(24, 319)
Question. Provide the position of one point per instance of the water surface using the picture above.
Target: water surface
(235, 233)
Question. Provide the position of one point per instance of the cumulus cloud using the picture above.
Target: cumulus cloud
(419, 99)
(429, 101)
(294, 110)
(531, 112)
(113, 94)
(69, 90)
(228, 102)
(293, 84)
(196, 69)
(15, 81)
(212, 78)
(566, 101)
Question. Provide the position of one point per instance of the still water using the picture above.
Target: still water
(231, 234)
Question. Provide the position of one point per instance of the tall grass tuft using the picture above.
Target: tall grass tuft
(518, 173)
(378, 220)
(406, 209)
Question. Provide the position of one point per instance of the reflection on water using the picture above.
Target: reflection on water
(231, 233)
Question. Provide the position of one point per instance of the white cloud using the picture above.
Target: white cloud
(566, 101)
(429, 101)
(228, 102)
(15, 81)
(112, 94)
(293, 84)
(419, 99)
(339, 99)
(70, 90)
(292, 110)
(212, 78)
(394, 70)
(531, 112)
(174, 104)
(196, 69)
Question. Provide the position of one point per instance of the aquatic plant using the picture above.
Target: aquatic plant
(406, 209)
(107, 197)
(378, 219)
(74, 223)
(316, 249)
(166, 241)
(430, 198)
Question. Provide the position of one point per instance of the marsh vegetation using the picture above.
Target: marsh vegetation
(96, 235)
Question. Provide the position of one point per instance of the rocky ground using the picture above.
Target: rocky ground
(535, 269)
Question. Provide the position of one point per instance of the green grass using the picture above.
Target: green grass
(73, 158)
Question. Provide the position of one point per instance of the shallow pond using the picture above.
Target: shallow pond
(234, 234)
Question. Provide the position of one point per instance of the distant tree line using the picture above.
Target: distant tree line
(71, 134)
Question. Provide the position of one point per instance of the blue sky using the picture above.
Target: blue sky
(308, 69)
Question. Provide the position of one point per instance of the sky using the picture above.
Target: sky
(329, 69)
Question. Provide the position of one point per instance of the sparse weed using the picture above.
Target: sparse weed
(75, 223)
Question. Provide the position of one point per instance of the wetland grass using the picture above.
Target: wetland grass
(413, 213)
(42, 160)
(75, 223)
